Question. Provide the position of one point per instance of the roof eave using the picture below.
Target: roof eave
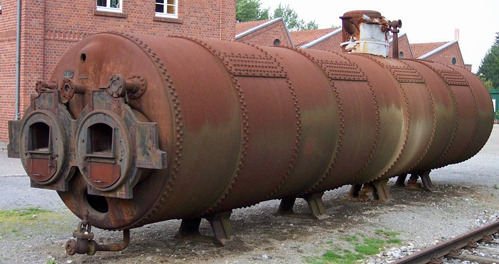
(435, 51)
(252, 30)
(321, 39)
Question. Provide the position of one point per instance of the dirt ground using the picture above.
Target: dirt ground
(421, 218)
(465, 197)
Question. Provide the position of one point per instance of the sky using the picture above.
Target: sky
(422, 20)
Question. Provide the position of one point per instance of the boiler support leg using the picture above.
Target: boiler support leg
(189, 228)
(413, 182)
(381, 190)
(355, 190)
(401, 180)
(316, 206)
(220, 223)
(222, 228)
(315, 203)
(286, 207)
(427, 184)
(361, 192)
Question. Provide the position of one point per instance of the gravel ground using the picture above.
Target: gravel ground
(466, 197)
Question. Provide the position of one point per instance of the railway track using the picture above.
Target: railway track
(476, 246)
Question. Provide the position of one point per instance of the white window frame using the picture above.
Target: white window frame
(108, 7)
(165, 10)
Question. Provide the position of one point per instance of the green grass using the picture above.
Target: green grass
(351, 239)
(17, 213)
(363, 247)
(386, 233)
(496, 186)
(17, 221)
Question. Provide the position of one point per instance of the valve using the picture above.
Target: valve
(84, 243)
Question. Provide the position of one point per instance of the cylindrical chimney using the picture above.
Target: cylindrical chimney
(365, 31)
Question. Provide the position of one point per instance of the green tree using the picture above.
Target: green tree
(250, 10)
(291, 19)
(489, 69)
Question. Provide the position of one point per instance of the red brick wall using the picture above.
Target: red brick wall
(445, 56)
(404, 47)
(32, 44)
(50, 27)
(267, 35)
(7, 64)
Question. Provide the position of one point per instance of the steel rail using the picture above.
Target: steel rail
(439, 250)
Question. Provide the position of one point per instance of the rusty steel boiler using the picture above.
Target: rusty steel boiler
(135, 129)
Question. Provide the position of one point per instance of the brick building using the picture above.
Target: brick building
(444, 52)
(264, 32)
(322, 39)
(50, 27)
(405, 51)
(329, 39)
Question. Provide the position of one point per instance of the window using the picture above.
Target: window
(401, 55)
(110, 5)
(454, 60)
(167, 8)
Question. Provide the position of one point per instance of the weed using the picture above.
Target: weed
(397, 241)
(363, 246)
(51, 261)
(17, 221)
(22, 212)
(351, 239)
(386, 233)
(496, 186)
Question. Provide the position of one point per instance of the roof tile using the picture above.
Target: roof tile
(303, 37)
(245, 26)
(420, 49)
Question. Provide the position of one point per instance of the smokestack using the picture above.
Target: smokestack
(456, 34)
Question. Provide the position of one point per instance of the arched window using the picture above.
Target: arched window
(454, 60)
(401, 55)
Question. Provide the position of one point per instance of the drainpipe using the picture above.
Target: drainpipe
(18, 60)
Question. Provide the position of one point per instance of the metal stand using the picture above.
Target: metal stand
(413, 182)
(315, 203)
(220, 223)
(376, 190)
(381, 190)
(401, 180)
(427, 184)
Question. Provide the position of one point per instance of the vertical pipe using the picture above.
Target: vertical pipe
(395, 49)
(18, 60)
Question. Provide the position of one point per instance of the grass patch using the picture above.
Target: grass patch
(496, 186)
(351, 239)
(363, 247)
(16, 221)
(386, 233)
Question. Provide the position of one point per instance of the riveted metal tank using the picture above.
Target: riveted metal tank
(132, 130)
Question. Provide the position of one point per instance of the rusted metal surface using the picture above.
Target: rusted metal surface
(441, 249)
(394, 28)
(365, 31)
(84, 243)
(141, 129)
